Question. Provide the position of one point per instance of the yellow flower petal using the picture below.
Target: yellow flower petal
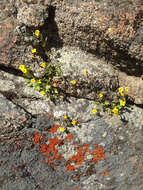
(32, 80)
(122, 103)
(21, 67)
(65, 117)
(73, 82)
(39, 81)
(85, 72)
(122, 94)
(121, 89)
(42, 93)
(62, 129)
(37, 33)
(94, 111)
(43, 64)
(110, 30)
(74, 122)
(115, 111)
(100, 95)
(34, 50)
(24, 70)
(126, 89)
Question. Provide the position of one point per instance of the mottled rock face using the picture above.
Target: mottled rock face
(44, 2)
(24, 112)
(91, 25)
(135, 85)
(32, 15)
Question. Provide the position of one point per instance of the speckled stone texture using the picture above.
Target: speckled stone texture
(110, 28)
(104, 26)
(69, 24)
(22, 166)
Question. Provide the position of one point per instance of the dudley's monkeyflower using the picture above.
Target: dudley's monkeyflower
(74, 122)
(62, 129)
(43, 64)
(94, 111)
(73, 82)
(42, 93)
(115, 111)
(122, 103)
(34, 50)
(37, 33)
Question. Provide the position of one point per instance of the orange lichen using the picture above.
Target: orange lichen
(55, 141)
(36, 138)
(44, 148)
(106, 173)
(70, 167)
(79, 157)
(50, 152)
(54, 129)
(69, 137)
(98, 155)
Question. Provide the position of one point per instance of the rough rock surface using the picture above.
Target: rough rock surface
(21, 163)
(93, 33)
(23, 112)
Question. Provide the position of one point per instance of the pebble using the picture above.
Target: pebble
(121, 137)
(104, 134)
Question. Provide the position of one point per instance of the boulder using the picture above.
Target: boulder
(103, 28)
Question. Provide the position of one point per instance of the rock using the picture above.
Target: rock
(93, 27)
(90, 33)
(12, 118)
(135, 85)
(23, 112)
(32, 15)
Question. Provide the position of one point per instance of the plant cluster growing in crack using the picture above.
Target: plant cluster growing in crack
(52, 84)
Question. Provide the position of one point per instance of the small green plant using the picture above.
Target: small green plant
(47, 83)
(52, 84)
(115, 103)
(67, 123)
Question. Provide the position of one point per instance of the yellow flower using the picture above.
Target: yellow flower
(65, 117)
(43, 64)
(24, 70)
(42, 93)
(121, 89)
(94, 111)
(85, 72)
(63, 82)
(39, 81)
(122, 103)
(34, 50)
(115, 111)
(110, 30)
(62, 129)
(122, 94)
(100, 95)
(21, 67)
(73, 82)
(74, 122)
(32, 80)
(126, 89)
(37, 32)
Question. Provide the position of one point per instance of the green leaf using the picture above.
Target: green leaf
(106, 103)
(29, 84)
(48, 87)
(56, 91)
